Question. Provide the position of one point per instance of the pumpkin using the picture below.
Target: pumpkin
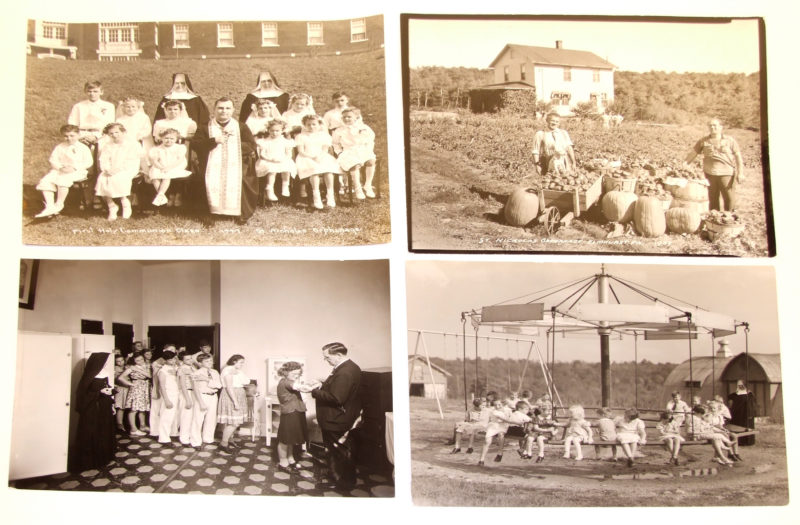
(691, 192)
(683, 220)
(521, 207)
(618, 206)
(648, 217)
(698, 206)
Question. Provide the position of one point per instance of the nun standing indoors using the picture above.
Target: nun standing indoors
(94, 402)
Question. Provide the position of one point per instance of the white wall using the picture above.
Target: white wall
(551, 78)
(293, 308)
(177, 293)
(68, 291)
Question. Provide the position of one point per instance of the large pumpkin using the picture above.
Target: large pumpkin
(648, 217)
(683, 220)
(522, 207)
(693, 191)
(618, 206)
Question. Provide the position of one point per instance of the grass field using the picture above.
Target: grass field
(52, 87)
(462, 171)
(444, 479)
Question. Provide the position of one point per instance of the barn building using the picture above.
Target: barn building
(561, 76)
(421, 383)
(124, 41)
(717, 375)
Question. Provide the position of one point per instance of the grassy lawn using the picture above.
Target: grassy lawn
(48, 103)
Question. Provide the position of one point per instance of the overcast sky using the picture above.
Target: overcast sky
(631, 46)
(439, 291)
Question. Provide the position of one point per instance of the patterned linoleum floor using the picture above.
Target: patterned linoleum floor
(144, 465)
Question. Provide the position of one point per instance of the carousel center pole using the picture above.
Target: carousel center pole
(605, 343)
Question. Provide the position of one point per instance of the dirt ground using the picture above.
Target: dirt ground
(457, 207)
(443, 479)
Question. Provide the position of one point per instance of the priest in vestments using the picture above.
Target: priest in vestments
(226, 151)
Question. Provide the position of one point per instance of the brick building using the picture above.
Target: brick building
(122, 41)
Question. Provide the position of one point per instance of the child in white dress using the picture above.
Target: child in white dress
(69, 163)
(578, 431)
(670, 430)
(274, 156)
(178, 119)
(631, 433)
(130, 113)
(314, 160)
(167, 162)
(477, 420)
(300, 105)
(541, 429)
(118, 161)
(264, 111)
(354, 143)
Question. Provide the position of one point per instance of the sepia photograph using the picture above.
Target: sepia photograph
(202, 377)
(592, 385)
(206, 133)
(623, 135)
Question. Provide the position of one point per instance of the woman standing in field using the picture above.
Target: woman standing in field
(722, 165)
(552, 148)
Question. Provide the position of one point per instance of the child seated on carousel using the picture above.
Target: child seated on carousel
(716, 417)
(670, 429)
(606, 431)
(699, 428)
(541, 428)
(500, 419)
(631, 434)
(477, 420)
(578, 432)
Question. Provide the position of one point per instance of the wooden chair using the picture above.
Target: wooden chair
(252, 420)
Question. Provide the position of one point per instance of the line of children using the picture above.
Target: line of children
(352, 141)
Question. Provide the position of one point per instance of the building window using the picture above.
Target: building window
(522, 75)
(123, 33)
(595, 75)
(358, 30)
(315, 34)
(567, 74)
(54, 30)
(505, 73)
(692, 384)
(180, 35)
(269, 34)
(559, 98)
(225, 35)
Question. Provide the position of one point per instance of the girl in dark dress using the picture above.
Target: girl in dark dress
(266, 88)
(743, 412)
(293, 429)
(95, 442)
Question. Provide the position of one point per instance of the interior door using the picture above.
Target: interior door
(40, 428)
(188, 336)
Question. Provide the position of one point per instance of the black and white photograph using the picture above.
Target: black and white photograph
(156, 377)
(256, 132)
(594, 385)
(623, 135)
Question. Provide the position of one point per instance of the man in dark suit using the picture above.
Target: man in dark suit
(338, 407)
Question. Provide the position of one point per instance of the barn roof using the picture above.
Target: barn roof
(425, 362)
(771, 363)
(701, 368)
(557, 56)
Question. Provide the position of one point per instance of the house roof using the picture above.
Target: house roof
(425, 362)
(513, 84)
(556, 56)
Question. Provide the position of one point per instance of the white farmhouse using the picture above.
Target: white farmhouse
(564, 77)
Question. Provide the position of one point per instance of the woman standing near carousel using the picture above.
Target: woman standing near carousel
(743, 412)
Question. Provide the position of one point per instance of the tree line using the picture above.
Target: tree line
(576, 381)
(656, 96)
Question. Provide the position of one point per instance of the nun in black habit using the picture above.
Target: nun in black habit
(95, 443)
(267, 88)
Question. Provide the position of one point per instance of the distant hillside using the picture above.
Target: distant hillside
(672, 98)
(576, 381)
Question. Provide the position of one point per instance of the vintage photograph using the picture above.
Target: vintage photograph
(590, 385)
(203, 377)
(206, 133)
(586, 134)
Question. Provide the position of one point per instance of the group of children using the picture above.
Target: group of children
(119, 145)
(178, 391)
(495, 416)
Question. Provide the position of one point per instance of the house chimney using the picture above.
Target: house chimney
(723, 350)
(558, 44)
